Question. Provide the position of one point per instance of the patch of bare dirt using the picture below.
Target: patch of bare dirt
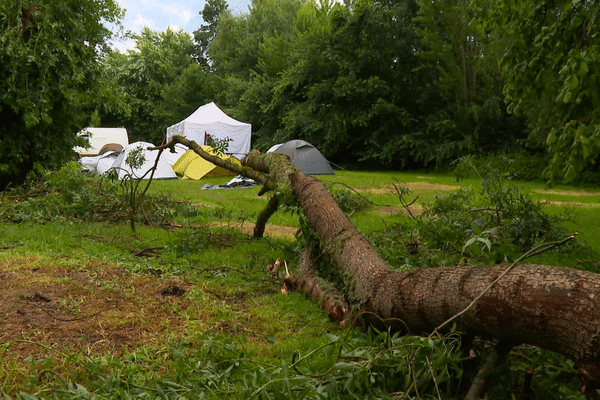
(413, 186)
(275, 231)
(95, 308)
(415, 209)
(571, 204)
(567, 192)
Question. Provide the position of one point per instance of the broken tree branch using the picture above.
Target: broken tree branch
(550, 307)
(247, 172)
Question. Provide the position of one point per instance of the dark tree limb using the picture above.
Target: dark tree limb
(331, 299)
(265, 214)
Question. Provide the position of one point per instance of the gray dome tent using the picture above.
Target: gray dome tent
(304, 156)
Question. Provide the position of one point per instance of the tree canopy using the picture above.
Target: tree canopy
(51, 79)
(551, 65)
(162, 83)
(374, 83)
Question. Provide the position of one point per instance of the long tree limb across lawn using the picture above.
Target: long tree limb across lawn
(554, 308)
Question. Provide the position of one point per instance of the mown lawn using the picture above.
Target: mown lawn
(92, 307)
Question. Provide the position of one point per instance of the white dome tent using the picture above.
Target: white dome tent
(163, 169)
(99, 137)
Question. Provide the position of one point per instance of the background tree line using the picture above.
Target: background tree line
(372, 83)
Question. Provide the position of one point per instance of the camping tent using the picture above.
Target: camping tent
(191, 166)
(98, 165)
(304, 156)
(105, 162)
(163, 169)
(98, 137)
(173, 157)
(209, 119)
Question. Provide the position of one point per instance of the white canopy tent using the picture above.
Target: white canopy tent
(209, 119)
(98, 137)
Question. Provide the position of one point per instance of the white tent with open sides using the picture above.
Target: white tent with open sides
(210, 120)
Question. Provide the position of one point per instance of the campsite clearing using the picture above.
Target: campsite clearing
(94, 297)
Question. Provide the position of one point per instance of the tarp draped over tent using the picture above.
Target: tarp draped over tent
(191, 166)
(98, 137)
(304, 156)
(209, 119)
(98, 165)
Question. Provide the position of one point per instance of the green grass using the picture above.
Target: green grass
(239, 331)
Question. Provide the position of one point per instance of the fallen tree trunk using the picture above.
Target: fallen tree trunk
(550, 307)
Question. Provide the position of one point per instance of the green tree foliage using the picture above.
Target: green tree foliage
(353, 88)
(252, 51)
(473, 118)
(344, 78)
(551, 63)
(162, 83)
(249, 53)
(49, 79)
(204, 36)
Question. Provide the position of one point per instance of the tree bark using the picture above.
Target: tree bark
(550, 307)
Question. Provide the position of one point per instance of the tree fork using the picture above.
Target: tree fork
(332, 300)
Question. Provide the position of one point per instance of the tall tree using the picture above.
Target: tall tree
(250, 52)
(353, 87)
(49, 78)
(473, 118)
(162, 81)
(206, 33)
(551, 66)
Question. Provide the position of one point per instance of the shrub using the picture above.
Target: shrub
(70, 194)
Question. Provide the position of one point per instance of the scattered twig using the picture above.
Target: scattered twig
(437, 389)
(78, 318)
(147, 252)
(223, 267)
(403, 202)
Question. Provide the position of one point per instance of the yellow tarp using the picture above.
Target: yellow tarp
(191, 166)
